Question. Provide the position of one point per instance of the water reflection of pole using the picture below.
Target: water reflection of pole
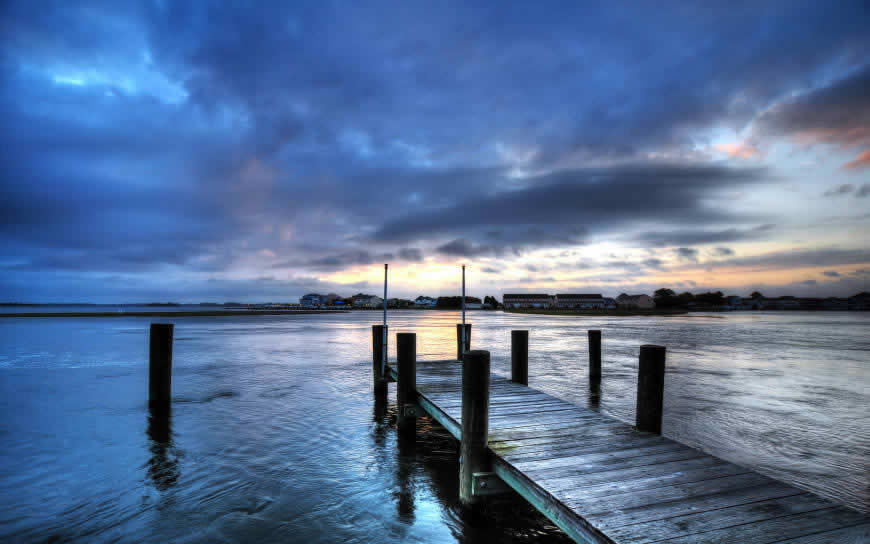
(407, 449)
(162, 466)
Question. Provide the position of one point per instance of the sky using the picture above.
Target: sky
(258, 151)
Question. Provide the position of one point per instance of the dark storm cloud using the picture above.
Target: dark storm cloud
(703, 236)
(686, 253)
(353, 258)
(723, 252)
(802, 258)
(837, 113)
(194, 135)
(842, 189)
(564, 207)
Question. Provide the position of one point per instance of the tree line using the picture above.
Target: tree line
(667, 298)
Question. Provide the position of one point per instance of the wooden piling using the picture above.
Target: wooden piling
(650, 388)
(160, 365)
(594, 356)
(475, 422)
(520, 357)
(406, 384)
(459, 350)
(378, 348)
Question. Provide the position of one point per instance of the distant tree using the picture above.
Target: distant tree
(491, 301)
(664, 293)
(685, 298)
(711, 299)
(454, 303)
(756, 294)
(665, 298)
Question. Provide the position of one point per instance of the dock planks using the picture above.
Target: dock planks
(602, 481)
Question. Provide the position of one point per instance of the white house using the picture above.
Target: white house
(582, 301)
(527, 301)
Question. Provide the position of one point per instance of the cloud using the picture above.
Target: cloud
(686, 254)
(863, 191)
(798, 258)
(837, 113)
(809, 282)
(860, 162)
(186, 140)
(701, 235)
(831, 273)
(461, 247)
(842, 189)
(723, 252)
(741, 150)
(566, 207)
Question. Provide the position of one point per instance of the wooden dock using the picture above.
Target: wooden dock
(602, 481)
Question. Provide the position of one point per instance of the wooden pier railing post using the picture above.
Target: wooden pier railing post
(520, 357)
(459, 349)
(378, 348)
(475, 422)
(594, 356)
(160, 365)
(406, 384)
(650, 388)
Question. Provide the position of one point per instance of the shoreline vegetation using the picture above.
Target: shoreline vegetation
(598, 312)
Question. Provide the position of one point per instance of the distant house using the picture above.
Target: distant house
(473, 306)
(734, 302)
(782, 303)
(860, 302)
(331, 299)
(425, 302)
(367, 301)
(756, 303)
(581, 301)
(527, 301)
(643, 302)
(311, 300)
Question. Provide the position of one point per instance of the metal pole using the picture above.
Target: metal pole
(463, 307)
(384, 360)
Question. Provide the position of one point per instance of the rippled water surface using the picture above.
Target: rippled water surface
(274, 437)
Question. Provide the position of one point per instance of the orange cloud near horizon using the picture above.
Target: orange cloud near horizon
(861, 161)
(740, 150)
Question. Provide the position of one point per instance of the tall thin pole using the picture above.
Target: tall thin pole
(384, 360)
(463, 308)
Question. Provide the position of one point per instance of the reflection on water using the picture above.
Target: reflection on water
(163, 465)
(274, 435)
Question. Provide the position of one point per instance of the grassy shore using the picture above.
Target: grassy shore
(192, 313)
(618, 312)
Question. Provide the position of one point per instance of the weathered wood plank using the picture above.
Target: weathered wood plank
(619, 518)
(857, 534)
(778, 529)
(593, 503)
(618, 474)
(664, 529)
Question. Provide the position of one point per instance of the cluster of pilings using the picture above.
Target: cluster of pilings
(474, 469)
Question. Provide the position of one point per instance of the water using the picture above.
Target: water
(273, 435)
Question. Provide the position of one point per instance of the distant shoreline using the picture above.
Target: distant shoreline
(192, 313)
(550, 311)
